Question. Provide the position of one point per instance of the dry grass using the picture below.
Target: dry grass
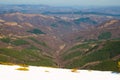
(119, 65)
(12, 64)
(7, 63)
(23, 69)
(74, 70)
(46, 71)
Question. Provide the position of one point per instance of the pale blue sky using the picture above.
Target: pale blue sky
(65, 2)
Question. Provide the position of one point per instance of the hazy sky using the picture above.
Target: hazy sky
(65, 2)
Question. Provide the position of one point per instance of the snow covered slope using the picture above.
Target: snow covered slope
(46, 73)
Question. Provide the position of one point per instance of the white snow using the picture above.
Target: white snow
(46, 73)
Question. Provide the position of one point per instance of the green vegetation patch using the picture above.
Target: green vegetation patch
(6, 40)
(38, 42)
(26, 56)
(16, 42)
(36, 31)
(107, 65)
(85, 20)
(54, 25)
(82, 46)
(96, 56)
(105, 35)
(3, 58)
(78, 38)
(19, 42)
(72, 55)
(112, 47)
(31, 47)
(109, 51)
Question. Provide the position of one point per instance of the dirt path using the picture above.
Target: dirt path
(116, 57)
(90, 64)
(57, 56)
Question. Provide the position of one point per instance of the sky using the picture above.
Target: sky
(65, 2)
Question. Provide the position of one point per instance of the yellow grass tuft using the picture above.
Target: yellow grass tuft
(46, 71)
(23, 69)
(74, 70)
(7, 63)
(119, 65)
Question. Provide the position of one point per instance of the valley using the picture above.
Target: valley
(57, 38)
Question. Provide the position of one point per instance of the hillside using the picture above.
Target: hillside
(107, 30)
(42, 40)
(97, 55)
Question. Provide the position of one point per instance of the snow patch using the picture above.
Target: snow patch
(47, 73)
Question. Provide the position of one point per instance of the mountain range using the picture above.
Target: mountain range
(83, 42)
